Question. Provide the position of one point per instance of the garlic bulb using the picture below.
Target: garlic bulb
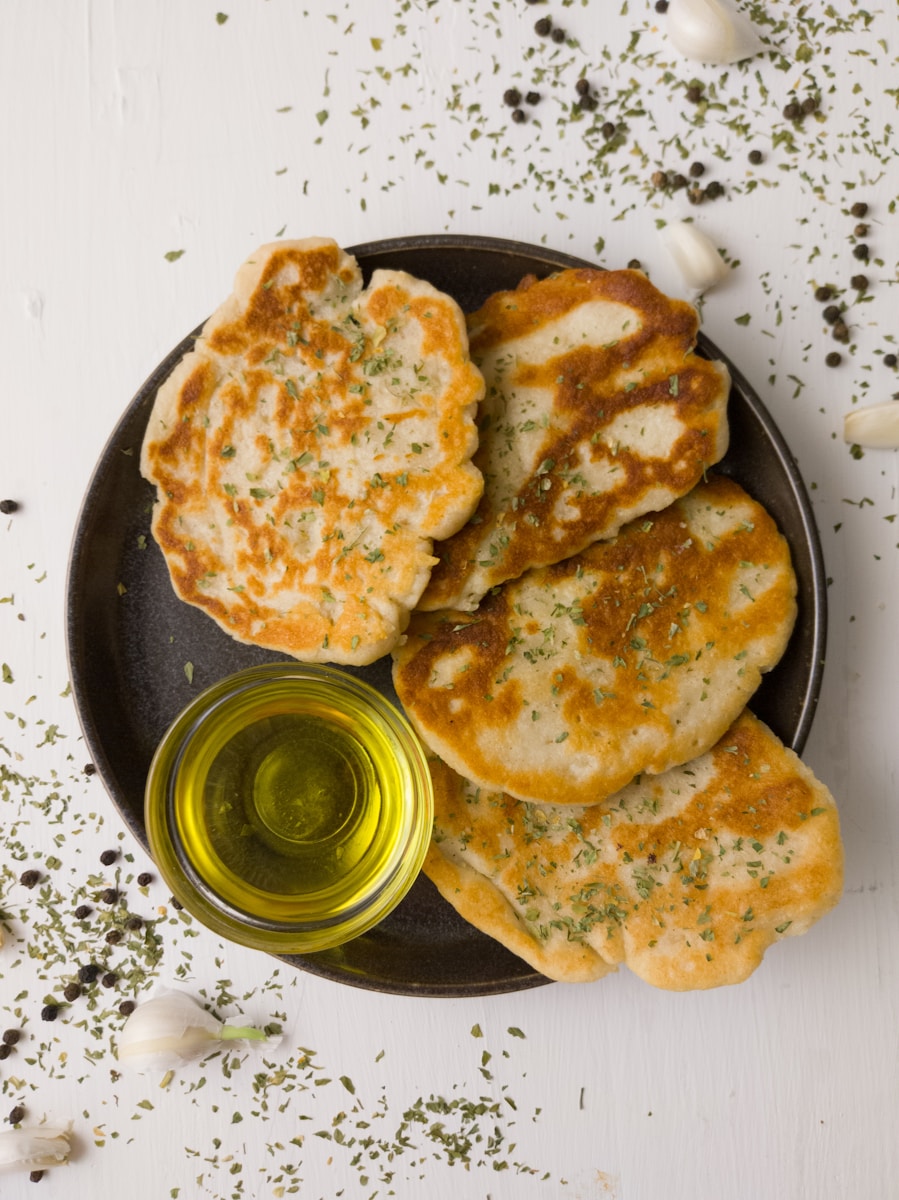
(875, 426)
(173, 1029)
(708, 31)
(695, 255)
(33, 1148)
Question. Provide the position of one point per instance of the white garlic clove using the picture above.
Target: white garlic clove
(876, 426)
(694, 254)
(33, 1148)
(172, 1029)
(708, 31)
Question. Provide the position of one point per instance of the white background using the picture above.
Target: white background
(128, 131)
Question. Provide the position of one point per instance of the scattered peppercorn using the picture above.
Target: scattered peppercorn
(114, 937)
(36, 1176)
(694, 93)
(634, 264)
(512, 97)
(176, 904)
(841, 332)
(696, 195)
(714, 189)
(533, 98)
(859, 209)
(72, 992)
(110, 979)
(861, 230)
(82, 912)
(860, 251)
(11, 1037)
(661, 6)
(831, 313)
(134, 923)
(144, 879)
(697, 169)
(88, 973)
(108, 857)
(558, 35)
(890, 360)
(659, 179)
(823, 292)
(89, 769)
(582, 87)
(16, 1114)
(859, 282)
(30, 878)
(127, 1007)
(608, 130)
(109, 895)
(49, 1012)
(8, 507)
(809, 105)
(543, 26)
(834, 358)
(587, 103)
(678, 182)
(756, 156)
(792, 111)
(532, 1)
(518, 116)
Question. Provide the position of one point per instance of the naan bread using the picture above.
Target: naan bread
(687, 877)
(633, 656)
(596, 411)
(309, 449)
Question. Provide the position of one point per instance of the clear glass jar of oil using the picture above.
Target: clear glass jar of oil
(289, 807)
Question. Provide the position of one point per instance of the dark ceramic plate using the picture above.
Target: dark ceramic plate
(129, 637)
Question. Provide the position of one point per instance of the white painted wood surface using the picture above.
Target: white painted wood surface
(131, 130)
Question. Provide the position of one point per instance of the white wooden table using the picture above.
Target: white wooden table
(132, 131)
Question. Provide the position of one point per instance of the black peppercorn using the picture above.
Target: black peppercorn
(36, 1176)
(861, 230)
(109, 895)
(512, 97)
(831, 314)
(110, 979)
(890, 360)
(860, 251)
(144, 879)
(49, 1012)
(661, 6)
(518, 116)
(678, 182)
(841, 332)
(859, 282)
(89, 769)
(608, 130)
(543, 26)
(859, 209)
(134, 923)
(532, 1)
(714, 189)
(114, 937)
(696, 195)
(82, 912)
(108, 857)
(16, 1114)
(587, 103)
(697, 169)
(809, 105)
(72, 992)
(694, 93)
(533, 98)
(30, 878)
(127, 1007)
(8, 506)
(11, 1037)
(755, 157)
(659, 179)
(823, 292)
(834, 358)
(88, 973)
(792, 111)
(582, 87)
(558, 35)
(5, 1051)
(634, 264)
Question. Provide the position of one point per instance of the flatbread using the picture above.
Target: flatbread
(686, 877)
(596, 411)
(309, 449)
(634, 656)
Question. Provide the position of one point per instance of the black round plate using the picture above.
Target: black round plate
(129, 636)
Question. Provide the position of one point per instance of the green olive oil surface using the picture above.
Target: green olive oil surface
(288, 807)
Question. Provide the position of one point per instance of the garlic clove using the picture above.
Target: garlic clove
(875, 426)
(172, 1029)
(708, 31)
(694, 254)
(34, 1148)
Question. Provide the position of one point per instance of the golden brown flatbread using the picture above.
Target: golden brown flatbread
(596, 411)
(686, 877)
(309, 449)
(633, 656)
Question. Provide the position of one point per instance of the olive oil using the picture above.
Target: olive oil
(286, 803)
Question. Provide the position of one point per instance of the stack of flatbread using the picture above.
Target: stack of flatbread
(521, 509)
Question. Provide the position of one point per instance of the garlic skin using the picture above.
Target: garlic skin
(34, 1148)
(876, 426)
(708, 31)
(172, 1029)
(695, 255)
